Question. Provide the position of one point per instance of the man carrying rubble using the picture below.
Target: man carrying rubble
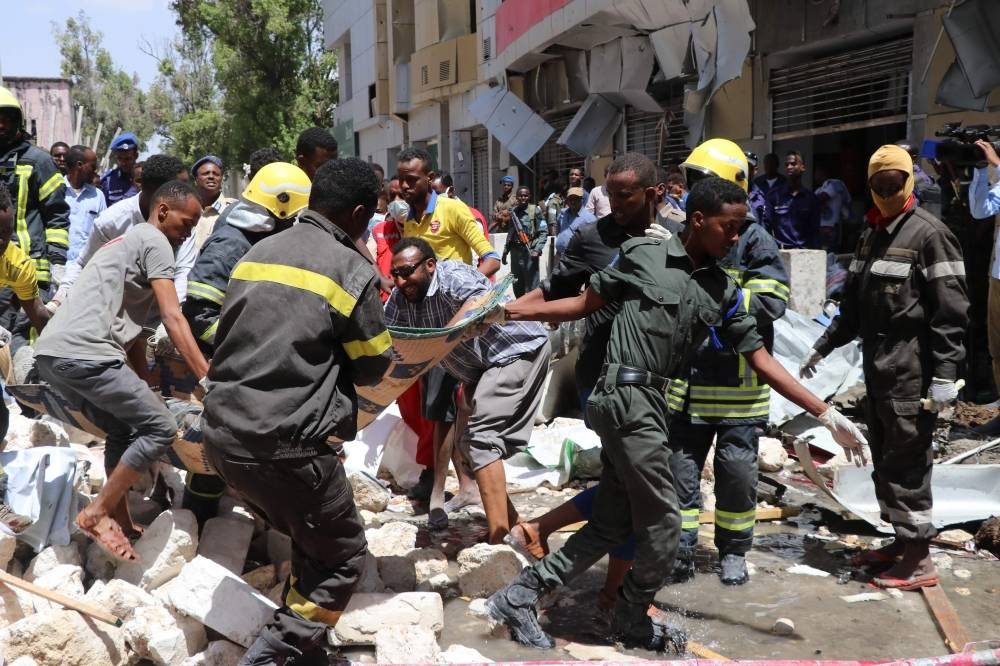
(83, 350)
(502, 370)
(905, 297)
(300, 327)
(672, 295)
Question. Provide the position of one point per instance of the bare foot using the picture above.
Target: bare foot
(107, 534)
(462, 499)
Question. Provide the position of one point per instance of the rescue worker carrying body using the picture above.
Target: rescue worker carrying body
(268, 204)
(41, 215)
(723, 400)
(906, 298)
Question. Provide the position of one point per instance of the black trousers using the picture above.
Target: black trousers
(310, 500)
(735, 481)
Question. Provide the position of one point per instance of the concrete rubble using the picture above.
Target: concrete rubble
(163, 549)
(406, 645)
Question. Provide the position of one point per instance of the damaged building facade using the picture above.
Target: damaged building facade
(525, 86)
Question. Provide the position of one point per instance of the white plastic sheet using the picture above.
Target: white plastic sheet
(386, 442)
(41, 485)
(794, 336)
(564, 450)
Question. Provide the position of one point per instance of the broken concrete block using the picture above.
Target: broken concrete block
(427, 563)
(164, 548)
(66, 579)
(23, 661)
(8, 543)
(477, 609)
(165, 638)
(367, 613)
(279, 547)
(100, 564)
(262, 578)
(46, 432)
(226, 539)
(392, 539)
(441, 583)
(397, 573)
(66, 638)
(15, 605)
(806, 280)
(459, 654)
(220, 600)
(771, 455)
(783, 627)
(120, 598)
(277, 593)
(370, 580)
(406, 645)
(51, 557)
(484, 569)
(369, 494)
(218, 653)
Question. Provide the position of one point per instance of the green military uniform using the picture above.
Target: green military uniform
(524, 267)
(667, 309)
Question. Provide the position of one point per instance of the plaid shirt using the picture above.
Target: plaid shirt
(453, 284)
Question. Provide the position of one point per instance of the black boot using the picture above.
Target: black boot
(734, 569)
(514, 605)
(422, 491)
(268, 650)
(683, 568)
(634, 628)
(989, 429)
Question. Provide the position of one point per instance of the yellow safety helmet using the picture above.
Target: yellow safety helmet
(722, 158)
(9, 101)
(281, 188)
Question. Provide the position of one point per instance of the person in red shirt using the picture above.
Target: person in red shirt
(444, 184)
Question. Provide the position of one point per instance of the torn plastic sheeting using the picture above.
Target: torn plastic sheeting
(555, 455)
(41, 485)
(386, 443)
(794, 336)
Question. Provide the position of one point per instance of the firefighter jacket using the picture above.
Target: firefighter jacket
(722, 388)
(207, 282)
(905, 297)
(41, 214)
(301, 326)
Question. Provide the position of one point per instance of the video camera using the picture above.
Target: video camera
(959, 148)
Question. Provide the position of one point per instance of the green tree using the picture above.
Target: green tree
(274, 76)
(107, 93)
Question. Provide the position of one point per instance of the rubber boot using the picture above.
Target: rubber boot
(989, 429)
(734, 569)
(268, 650)
(422, 491)
(634, 628)
(683, 570)
(514, 605)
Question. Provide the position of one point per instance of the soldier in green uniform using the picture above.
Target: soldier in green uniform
(526, 238)
(673, 294)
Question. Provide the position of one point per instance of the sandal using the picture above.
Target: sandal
(108, 534)
(868, 558)
(911, 583)
(527, 542)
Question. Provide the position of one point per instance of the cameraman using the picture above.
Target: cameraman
(984, 202)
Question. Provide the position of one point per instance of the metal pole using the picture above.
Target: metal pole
(78, 132)
(97, 136)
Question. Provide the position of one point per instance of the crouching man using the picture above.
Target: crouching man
(502, 370)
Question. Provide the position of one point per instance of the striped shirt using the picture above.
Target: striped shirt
(453, 284)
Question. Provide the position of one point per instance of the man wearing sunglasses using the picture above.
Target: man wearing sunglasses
(502, 371)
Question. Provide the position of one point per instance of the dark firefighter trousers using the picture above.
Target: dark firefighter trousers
(310, 500)
(900, 437)
(735, 481)
(635, 494)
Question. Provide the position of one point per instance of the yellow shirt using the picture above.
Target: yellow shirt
(17, 271)
(450, 229)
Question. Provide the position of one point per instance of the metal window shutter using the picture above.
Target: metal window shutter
(554, 156)
(861, 88)
(643, 135)
(481, 174)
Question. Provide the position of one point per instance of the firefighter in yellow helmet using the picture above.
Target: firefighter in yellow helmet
(41, 214)
(267, 206)
(722, 399)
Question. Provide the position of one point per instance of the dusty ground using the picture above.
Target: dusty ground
(970, 415)
(736, 622)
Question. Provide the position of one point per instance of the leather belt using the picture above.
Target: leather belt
(628, 376)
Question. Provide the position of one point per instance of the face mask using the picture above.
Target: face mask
(891, 206)
(399, 210)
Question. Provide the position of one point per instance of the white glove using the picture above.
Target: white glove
(161, 343)
(846, 434)
(657, 231)
(941, 394)
(807, 369)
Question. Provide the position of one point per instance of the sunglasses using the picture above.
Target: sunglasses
(404, 272)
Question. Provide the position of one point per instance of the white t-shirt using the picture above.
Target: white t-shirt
(112, 223)
(837, 206)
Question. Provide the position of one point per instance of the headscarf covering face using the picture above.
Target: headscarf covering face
(892, 158)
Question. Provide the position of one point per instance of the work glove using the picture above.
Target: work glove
(941, 394)
(658, 231)
(846, 434)
(503, 259)
(807, 369)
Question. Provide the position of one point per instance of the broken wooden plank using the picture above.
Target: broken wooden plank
(61, 599)
(699, 650)
(946, 618)
(774, 513)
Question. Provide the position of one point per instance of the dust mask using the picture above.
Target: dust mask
(888, 158)
(399, 210)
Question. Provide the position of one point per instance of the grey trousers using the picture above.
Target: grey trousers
(138, 424)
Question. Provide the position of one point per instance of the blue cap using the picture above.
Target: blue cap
(207, 158)
(125, 141)
(507, 179)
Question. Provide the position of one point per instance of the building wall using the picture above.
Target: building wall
(47, 102)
